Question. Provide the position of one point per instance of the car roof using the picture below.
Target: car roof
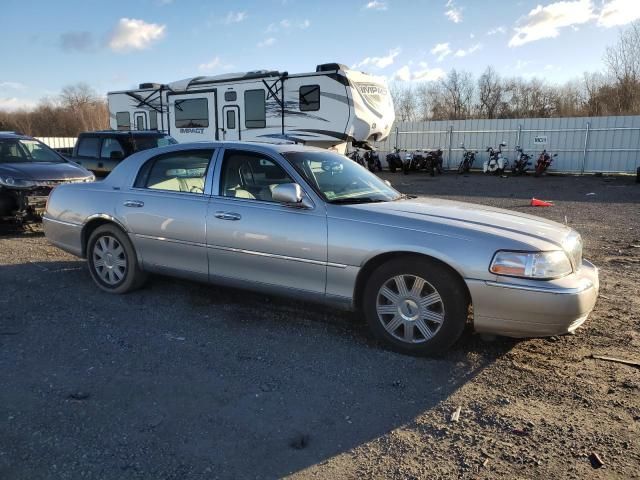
(15, 135)
(255, 145)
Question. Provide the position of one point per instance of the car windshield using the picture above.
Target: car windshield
(141, 142)
(17, 150)
(339, 179)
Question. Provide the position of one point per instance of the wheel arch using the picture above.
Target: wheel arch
(92, 223)
(374, 262)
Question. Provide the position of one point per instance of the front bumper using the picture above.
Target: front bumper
(534, 309)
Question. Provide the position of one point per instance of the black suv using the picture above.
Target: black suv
(101, 151)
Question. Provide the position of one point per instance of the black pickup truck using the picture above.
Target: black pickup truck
(101, 151)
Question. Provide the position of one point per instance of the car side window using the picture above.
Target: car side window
(250, 175)
(112, 149)
(88, 147)
(183, 171)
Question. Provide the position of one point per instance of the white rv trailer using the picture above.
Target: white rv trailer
(327, 108)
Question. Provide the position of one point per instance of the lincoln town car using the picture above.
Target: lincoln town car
(291, 220)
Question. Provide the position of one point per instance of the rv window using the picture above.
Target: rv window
(231, 120)
(123, 121)
(192, 113)
(88, 147)
(139, 122)
(255, 109)
(153, 120)
(309, 98)
(230, 96)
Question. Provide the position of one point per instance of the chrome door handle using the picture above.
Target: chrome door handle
(133, 203)
(228, 216)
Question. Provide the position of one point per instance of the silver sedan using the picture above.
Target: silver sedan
(312, 224)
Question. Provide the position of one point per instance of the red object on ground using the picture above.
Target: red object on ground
(540, 203)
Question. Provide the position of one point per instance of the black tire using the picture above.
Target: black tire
(453, 301)
(392, 168)
(461, 168)
(132, 278)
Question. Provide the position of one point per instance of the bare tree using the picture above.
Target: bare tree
(457, 90)
(490, 91)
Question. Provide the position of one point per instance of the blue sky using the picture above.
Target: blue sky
(116, 44)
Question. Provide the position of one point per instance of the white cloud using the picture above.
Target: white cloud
(235, 17)
(13, 85)
(379, 62)
(546, 22)
(133, 34)
(441, 50)
(426, 74)
(619, 12)
(453, 12)
(376, 5)
(214, 64)
(494, 31)
(463, 53)
(267, 42)
(286, 24)
(10, 104)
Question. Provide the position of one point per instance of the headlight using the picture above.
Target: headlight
(16, 182)
(538, 265)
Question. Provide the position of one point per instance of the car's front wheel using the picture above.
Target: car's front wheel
(415, 306)
(112, 260)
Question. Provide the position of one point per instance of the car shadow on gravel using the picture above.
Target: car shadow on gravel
(185, 380)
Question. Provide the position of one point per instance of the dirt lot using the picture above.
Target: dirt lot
(182, 380)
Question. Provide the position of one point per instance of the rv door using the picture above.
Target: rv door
(192, 116)
(140, 119)
(231, 123)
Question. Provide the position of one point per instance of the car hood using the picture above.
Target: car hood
(473, 216)
(43, 170)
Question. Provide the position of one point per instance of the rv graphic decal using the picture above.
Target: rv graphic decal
(192, 130)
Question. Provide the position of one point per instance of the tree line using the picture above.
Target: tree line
(77, 109)
(614, 91)
(458, 96)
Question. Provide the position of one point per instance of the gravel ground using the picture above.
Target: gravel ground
(182, 380)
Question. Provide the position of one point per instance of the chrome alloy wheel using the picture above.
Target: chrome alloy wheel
(109, 260)
(410, 308)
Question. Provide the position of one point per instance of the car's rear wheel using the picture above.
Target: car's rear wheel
(415, 306)
(113, 264)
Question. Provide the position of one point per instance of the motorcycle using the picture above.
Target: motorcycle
(407, 162)
(544, 162)
(468, 157)
(496, 163)
(393, 160)
(373, 160)
(433, 162)
(521, 163)
(355, 156)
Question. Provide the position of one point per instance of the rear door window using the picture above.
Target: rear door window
(183, 172)
(88, 147)
(112, 149)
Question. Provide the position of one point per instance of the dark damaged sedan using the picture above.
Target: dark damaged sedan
(28, 171)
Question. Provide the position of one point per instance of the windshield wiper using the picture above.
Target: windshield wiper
(357, 200)
(404, 196)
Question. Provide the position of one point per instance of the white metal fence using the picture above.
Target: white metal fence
(583, 144)
(61, 144)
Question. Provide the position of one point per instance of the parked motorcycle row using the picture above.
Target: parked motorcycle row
(497, 163)
(431, 161)
(416, 160)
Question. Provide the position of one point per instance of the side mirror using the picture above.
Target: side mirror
(290, 194)
(116, 155)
